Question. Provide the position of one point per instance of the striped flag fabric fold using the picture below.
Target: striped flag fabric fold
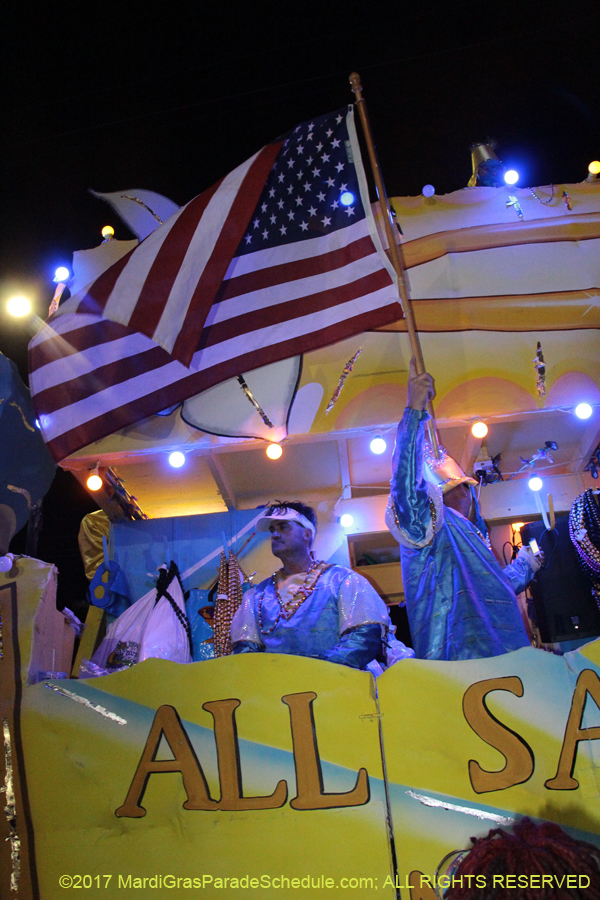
(280, 257)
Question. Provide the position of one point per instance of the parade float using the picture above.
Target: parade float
(277, 773)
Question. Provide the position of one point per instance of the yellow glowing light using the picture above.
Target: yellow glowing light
(274, 451)
(108, 231)
(516, 526)
(479, 429)
(19, 306)
(594, 167)
(94, 482)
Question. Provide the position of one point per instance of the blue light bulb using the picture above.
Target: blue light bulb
(347, 198)
(61, 274)
(583, 410)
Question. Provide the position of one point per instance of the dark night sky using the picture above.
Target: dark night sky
(133, 95)
(115, 96)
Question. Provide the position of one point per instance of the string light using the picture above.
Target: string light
(535, 483)
(378, 445)
(594, 167)
(346, 521)
(61, 274)
(94, 481)
(274, 451)
(176, 459)
(428, 190)
(511, 176)
(583, 411)
(108, 232)
(479, 429)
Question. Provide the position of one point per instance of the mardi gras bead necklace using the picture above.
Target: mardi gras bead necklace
(584, 528)
(287, 610)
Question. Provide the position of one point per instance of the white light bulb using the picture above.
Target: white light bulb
(274, 451)
(479, 429)
(94, 482)
(378, 445)
(19, 306)
(511, 177)
(61, 274)
(535, 483)
(176, 459)
(346, 520)
(583, 411)
(428, 190)
(347, 198)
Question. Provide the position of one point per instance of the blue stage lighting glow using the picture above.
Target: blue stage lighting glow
(511, 176)
(535, 483)
(347, 198)
(583, 410)
(176, 459)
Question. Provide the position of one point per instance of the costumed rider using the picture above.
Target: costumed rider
(461, 604)
(310, 607)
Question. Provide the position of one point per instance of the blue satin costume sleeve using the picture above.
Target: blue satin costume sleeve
(408, 487)
(247, 647)
(357, 647)
(341, 621)
(519, 573)
(460, 603)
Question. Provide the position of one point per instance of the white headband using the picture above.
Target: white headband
(285, 514)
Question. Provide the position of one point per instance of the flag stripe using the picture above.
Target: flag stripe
(239, 310)
(69, 433)
(95, 295)
(313, 246)
(84, 371)
(282, 273)
(112, 363)
(162, 274)
(280, 311)
(228, 241)
(57, 348)
(114, 372)
(295, 290)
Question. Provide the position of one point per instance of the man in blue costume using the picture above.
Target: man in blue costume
(461, 604)
(309, 607)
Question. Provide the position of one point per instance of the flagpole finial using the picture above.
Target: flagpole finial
(356, 85)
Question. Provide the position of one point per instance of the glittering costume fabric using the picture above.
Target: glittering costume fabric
(461, 604)
(342, 620)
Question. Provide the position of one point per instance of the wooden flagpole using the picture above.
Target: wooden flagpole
(395, 250)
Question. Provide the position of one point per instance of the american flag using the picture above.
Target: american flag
(280, 257)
